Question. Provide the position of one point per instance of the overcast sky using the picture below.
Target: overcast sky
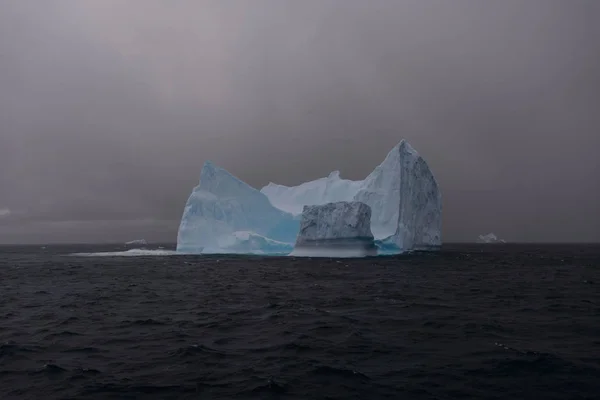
(108, 109)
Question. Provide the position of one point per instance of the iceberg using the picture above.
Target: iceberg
(137, 242)
(489, 238)
(341, 229)
(224, 214)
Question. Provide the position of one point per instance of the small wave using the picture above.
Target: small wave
(270, 387)
(6, 372)
(148, 321)
(49, 369)
(341, 372)
(128, 391)
(523, 352)
(297, 347)
(83, 373)
(86, 350)
(68, 320)
(61, 334)
(88, 370)
(529, 360)
(534, 363)
(129, 253)
(10, 348)
(196, 349)
(222, 341)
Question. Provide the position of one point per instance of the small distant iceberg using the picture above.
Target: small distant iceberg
(137, 242)
(490, 238)
(246, 242)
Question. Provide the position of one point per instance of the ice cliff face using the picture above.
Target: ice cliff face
(222, 205)
(335, 230)
(340, 220)
(402, 192)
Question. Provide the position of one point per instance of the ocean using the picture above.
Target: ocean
(468, 322)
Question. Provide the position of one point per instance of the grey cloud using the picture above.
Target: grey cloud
(108, 109)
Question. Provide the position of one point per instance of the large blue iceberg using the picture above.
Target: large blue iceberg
(225, 215)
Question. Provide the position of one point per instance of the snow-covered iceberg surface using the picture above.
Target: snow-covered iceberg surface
(224, 214)
(340, 229)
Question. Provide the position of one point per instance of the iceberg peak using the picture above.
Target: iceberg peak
(209, 166)
(334, 175)
(403, 144)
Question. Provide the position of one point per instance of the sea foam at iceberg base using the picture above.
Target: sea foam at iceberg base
(225, 215)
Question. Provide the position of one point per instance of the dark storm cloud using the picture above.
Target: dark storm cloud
(108, 108)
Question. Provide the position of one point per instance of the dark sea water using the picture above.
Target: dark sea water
(469, 322)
